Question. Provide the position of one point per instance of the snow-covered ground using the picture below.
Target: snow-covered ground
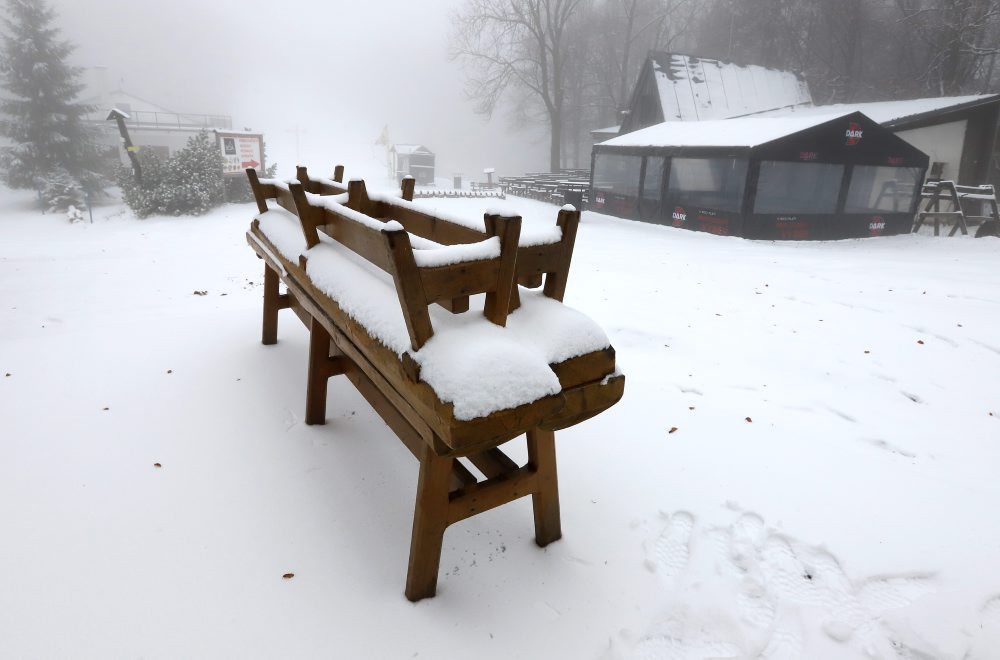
(805, 463)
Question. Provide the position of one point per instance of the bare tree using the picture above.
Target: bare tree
(958, 39)
(520, 43)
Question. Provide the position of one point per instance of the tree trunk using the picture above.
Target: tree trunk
(555, 144)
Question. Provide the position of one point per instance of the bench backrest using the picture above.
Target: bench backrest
(359, 222)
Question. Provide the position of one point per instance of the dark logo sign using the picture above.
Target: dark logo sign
(679, 216)
(854, 134)
(876, 225)
(808, 155)
(896, 160)
(599, 199)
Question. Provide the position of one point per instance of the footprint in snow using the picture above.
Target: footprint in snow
(767, 579)
(672, 546)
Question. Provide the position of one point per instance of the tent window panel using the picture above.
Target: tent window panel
(713, 183)
(880, 188)
(808, 188)
(651, 184)
(618, 174)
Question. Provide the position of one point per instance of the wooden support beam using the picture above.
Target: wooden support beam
(338, 173)
(430, 519)
(493, 463)
(407, 185)
(321, 368)
(306, 213)
(555, 281)
(498, 301)
(545, 499)
(269, 331)
(491, 493)
(357, 196)
(256, 188)
(409, 287)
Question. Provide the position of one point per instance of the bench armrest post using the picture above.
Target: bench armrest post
(409, 287)
(338, 173)
(255, 187)
(555, 282)
(407, 186)
(498, 302)
(357, 196)
(306, 213)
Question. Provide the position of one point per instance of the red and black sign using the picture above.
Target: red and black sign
(854, 133)
(678, 217)
(876, 225)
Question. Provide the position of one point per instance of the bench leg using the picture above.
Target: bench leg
(269, 335)
(319, 373)
(545, 502)
(430, 519)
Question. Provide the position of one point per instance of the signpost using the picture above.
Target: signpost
(130, 149)
(240, 151)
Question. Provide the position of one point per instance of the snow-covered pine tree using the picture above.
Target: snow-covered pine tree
(39, 111)
(187, 183)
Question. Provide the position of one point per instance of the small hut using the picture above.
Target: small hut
(412, 160)
(816, 177)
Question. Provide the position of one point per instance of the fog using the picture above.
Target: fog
(339, 71)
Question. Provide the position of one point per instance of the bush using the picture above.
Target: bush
(187, 183)
(59, 191)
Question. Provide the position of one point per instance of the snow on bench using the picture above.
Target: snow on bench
(385, 289)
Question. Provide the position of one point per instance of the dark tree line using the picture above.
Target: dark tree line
(570, 64)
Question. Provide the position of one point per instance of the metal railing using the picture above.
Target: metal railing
(150, 119)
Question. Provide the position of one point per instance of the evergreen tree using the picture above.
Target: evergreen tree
(187, 183)
(39, 112)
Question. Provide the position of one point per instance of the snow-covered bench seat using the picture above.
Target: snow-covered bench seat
(452, 382)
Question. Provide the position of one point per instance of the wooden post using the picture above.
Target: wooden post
(306, 213)
(545, 501)
(498, 302)
(269, 333)
(319, 373)
(409, 287)
(258, 193)
(338, 173)
(407, 185)
(130, 148)
(555, 283)
(430, 519)
(357, 196)
(302, 175)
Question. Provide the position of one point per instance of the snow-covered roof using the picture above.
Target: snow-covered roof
(694, 88)
(886, 112)
(741, 132)
(410, 149)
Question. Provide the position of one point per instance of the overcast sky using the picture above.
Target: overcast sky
(338, 70)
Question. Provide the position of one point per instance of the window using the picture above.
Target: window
(714, 183)
(654, 178)
(617, 174)
(808, 188)
(876, 188)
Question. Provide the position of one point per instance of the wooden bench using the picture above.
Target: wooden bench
(426, 268)
(957, 198)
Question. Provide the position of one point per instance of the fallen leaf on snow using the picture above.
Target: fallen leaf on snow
(201, 293)
(749, 420)
(157, 465)
(288, 576)
(673, 429)
(920, 341)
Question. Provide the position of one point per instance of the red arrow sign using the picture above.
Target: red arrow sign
(249, 163)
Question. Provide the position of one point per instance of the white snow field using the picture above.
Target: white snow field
(831, 489)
